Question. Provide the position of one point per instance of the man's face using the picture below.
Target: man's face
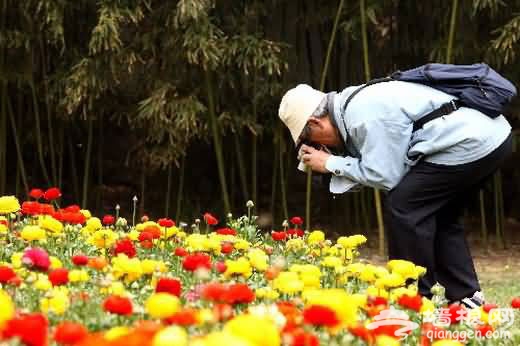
(322, 131)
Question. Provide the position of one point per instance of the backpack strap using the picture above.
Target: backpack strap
(445, 109)
(369, 83)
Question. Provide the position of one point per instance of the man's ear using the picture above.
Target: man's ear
(314, 121)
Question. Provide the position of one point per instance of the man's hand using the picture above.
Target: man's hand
(314, 159)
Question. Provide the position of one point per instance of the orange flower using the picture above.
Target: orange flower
(68, 333)
(97, 263)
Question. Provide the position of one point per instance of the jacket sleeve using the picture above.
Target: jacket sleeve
(378, 142)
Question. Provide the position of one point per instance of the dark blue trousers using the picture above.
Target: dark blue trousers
(424, 213)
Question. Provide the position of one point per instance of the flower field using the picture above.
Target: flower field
(70, 278)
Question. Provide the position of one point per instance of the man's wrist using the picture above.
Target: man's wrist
(333, 165)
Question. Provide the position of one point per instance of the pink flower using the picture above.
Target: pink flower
(36, 258)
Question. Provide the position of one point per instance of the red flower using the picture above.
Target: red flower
(118, 305)
(186, 317)
(36, 258)
(318, 315)
(31, 329)
(295, 232)
(69, 333)
(52, 194)
(226, 248)
(456, 313)
(145, 236)
(361, 332)
(30, 208)
(6, 274)
(36, 193)
(515, 303)
(303, 338)
(125, 246)
(74, 218)
(239, 294)
(108, 220)
(59, 277)
(412, 303)
(210, 219)
(46, 209)
(80, 260)
(226, 231)
(196, 261)
(166, 223)
(483, 331)
(180, 252)
(297, 220)
(488, 307)
(279, 236)
(168, 285)
(220, 266)
(214, 291)
(154, 231)
(375, 301)
(73, 208)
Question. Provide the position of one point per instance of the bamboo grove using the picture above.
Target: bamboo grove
(175, 102)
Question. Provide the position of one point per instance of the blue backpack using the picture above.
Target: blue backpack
(475, 86)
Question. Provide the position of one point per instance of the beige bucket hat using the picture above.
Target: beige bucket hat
(297, 106)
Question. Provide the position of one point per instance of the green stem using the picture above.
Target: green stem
(216, 143)
(499, 225)
(451, 34)
(254, 147)
(143, 190)
(274, 177)
(283, 187)
(331, 44)
(3, 141)
(86, 172)
(73, 169)
(241, 166)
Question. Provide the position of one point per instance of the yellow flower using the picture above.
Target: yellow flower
(16, 259)
(133, 235)
(343, 304)
(288, 283)
(116, 332)
(3, 228)
(294, 244)
(171, 231)
(352, 241)
(316, 237)
(374, 291)
(259, 331)
(51, 224)
(129, 268)
(267, 293)
(9, 204)
(55, 262)
(150, 266)
(6, 308)
(241, 244)
(173, 335)
(93, 224)
(331, 262)
(258, 259)
(239, 267)
(427, 306)
(221, 338)
(117, 288)
(32, 232)
(162, 305)
(103, 238)
(57, 303)
(78, 275)
(385, 340)
(43, 283)
(390, 281)
(406, 269)
(86, 213)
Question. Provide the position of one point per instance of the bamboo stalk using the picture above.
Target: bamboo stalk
(61, 151)
(143, 190)
(17, 144)
(168, 189)
(377, 195)
(216, 143)
(308, 194)
(254, 148)
(451, 34)
(86, 172)
(38, 132)
(241, 166)
(274, 175)
(3, 141)
(100, 143)
(73, 169)
(283, 187)
(180, 189)
(499, 225)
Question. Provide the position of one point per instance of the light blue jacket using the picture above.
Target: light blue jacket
(379, 121)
